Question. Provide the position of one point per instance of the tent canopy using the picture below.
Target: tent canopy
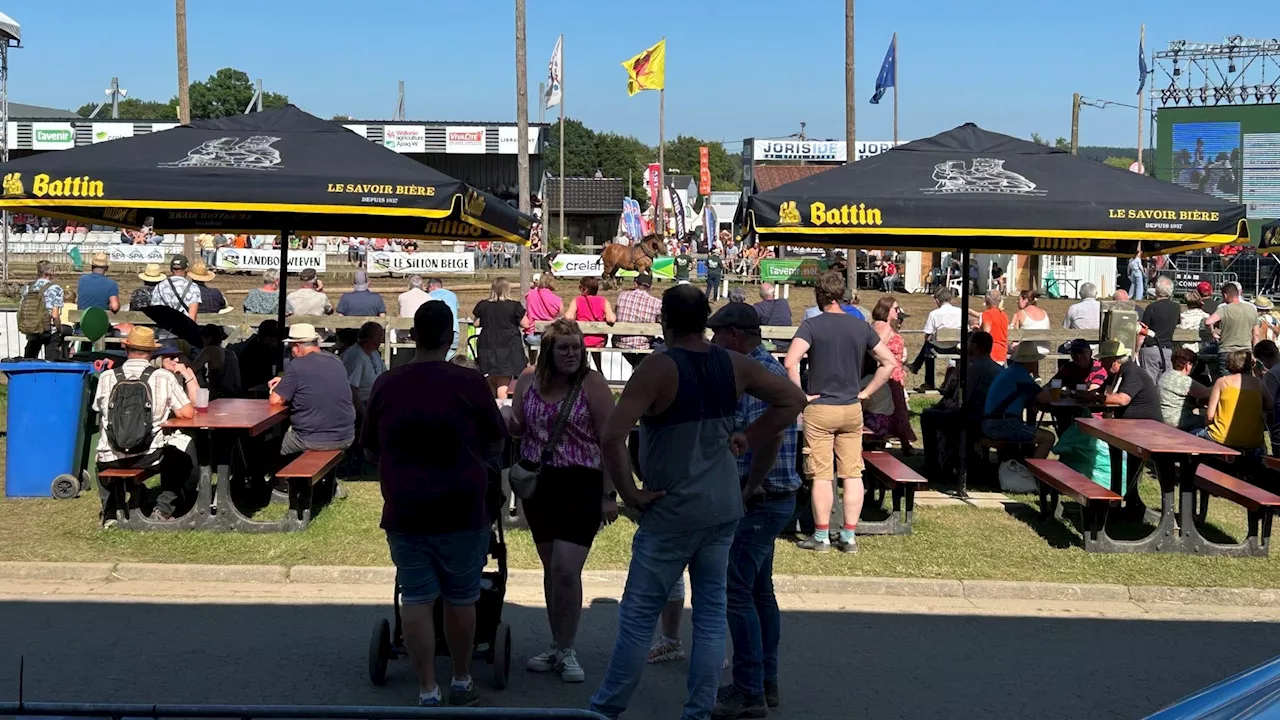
(968, 187)
(10, 30)
(264, 173)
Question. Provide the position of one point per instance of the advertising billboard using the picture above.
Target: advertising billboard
(1228, 151)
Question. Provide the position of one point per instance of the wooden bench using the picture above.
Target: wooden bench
(1260, 504)
(1057, 480)
(303, 473)
(901, 481)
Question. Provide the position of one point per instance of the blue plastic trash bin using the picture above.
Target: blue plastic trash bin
(47, 403)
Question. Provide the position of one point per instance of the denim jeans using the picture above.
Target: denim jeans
(755, 624)
(657, 560)
(1137, 287)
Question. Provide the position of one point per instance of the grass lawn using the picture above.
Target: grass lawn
(949, 542)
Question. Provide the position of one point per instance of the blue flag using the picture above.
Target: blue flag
(1142, 68)
(888, 72)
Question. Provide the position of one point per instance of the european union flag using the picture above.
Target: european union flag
(888, 72)
(1142, 68)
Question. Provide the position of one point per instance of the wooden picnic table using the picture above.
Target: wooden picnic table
(1175, 455)
(216, 431)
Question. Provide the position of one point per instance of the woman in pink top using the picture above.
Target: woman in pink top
(572, 497)
(590, 306)
(542, 305)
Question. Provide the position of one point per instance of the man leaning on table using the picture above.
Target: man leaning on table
(168, 396)
(1134, 395)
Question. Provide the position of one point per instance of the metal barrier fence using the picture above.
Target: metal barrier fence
(121, 711)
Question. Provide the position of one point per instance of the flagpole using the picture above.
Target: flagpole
(1142, 38)
(562, 142)
(895, 89)
(660, 215)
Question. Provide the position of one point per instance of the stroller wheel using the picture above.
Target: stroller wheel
(501, 656)
(65, 487)
(379, 652)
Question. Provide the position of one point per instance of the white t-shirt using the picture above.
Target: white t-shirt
(947, 316)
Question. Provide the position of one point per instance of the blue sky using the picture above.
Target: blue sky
(735, 68)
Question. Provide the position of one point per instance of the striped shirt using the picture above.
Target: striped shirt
(783, 478)
(637, 306)
(167, 395)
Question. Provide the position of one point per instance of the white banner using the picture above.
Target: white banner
(430, 263)
(564, 265)
(464, 140)
(136, 254)
(508, 140)
(405, 138)
(157, 127)
(819, 150)
(246, 259)
(361, 130)
(52, 136)
(555, 74)
(11, 135)
(105, 131)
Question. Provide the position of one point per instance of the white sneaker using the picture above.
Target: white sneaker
(544, 661)
(664, 650)
(568, 668)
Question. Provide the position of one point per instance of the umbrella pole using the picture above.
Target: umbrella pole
(280, 291)
(961, 474)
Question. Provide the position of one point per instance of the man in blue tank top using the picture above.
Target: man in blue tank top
(685, 400)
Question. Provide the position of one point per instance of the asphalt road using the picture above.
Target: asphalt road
(918, 660)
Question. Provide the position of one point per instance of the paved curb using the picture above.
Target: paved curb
(615, 580)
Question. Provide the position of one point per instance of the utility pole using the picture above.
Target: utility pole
(184, 94)
(184, 86)
(522, 137)
(850, 130)
(802, 139)
(1075, 123)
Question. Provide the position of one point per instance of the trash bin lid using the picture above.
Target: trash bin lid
(29, 366)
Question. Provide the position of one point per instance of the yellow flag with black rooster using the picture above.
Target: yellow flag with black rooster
(648, 70)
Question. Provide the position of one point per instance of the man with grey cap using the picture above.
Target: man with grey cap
(360, 302)
(309, 299)
(320, 418)
(755, 624)
(178, 291)
(637, 306)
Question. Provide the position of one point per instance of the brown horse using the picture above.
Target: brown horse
(638, 257)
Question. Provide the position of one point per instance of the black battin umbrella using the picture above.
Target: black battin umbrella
(969, 188)
(972, 189)
(280, 171)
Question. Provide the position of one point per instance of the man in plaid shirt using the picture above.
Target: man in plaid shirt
(755, 623)
(637, 306)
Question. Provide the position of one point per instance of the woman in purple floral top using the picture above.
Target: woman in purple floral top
(572, 497)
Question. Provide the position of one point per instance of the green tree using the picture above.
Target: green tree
(340, 117)
(1119, 162)
(135, 109)
(579, 153)
(623, 156)
(682, 154)
(228, 92)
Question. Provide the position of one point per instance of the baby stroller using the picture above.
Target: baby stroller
(493, 636)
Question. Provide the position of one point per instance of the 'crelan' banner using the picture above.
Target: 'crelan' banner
(232, 259)
(430, 263)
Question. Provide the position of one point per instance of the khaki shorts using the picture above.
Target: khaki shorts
(833, 431)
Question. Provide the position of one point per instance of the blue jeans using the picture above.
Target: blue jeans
(755, 624)
(429, 566)
(657, 559)
(1137, 287)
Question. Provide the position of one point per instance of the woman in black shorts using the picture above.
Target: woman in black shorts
(572, 497)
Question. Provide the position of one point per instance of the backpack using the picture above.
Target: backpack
(33, 316)
(129, 428)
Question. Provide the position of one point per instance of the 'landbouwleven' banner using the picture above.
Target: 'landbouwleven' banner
(136, 254)
(244, 259)
(435, 263)
(798, 271)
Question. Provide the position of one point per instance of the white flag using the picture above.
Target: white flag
(555, 74)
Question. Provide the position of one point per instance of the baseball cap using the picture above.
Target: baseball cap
(307, 274)
(740, 316)
(1204, 288)
(645, 279)
(178, 262)
(1077, 345)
